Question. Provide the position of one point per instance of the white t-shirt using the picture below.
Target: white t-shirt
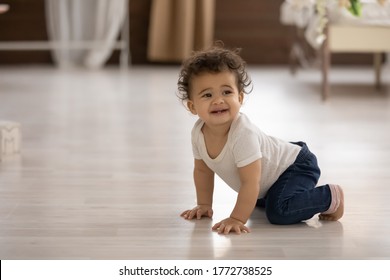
(246, 143)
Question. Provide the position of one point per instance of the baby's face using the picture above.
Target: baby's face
(215, 97)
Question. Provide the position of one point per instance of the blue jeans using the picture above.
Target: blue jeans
(294, 197)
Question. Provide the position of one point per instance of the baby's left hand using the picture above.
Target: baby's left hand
(230, 225)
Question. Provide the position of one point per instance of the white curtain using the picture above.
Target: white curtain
(71, 23)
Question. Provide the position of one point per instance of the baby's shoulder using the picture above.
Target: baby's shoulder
(197, 127)
(242, 126)
(243, 130)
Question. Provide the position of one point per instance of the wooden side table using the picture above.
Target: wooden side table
(364, 38)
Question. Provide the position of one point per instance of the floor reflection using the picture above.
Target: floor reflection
(312, 239)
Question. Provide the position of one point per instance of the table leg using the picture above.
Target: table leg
(378, 68)
(325, 66)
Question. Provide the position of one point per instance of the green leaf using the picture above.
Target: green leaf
(356, 8)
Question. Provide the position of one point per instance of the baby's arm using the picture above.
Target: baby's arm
(246, 200)
(204, 184)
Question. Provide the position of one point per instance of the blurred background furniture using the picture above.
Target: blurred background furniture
(331, 27)
(358, 38)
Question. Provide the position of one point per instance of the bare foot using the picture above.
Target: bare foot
(339, 211)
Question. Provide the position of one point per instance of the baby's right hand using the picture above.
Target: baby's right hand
(198, 212)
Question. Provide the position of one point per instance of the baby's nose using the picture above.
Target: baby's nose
(219, 100)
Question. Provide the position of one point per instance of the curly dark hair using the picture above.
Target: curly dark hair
(213, 60)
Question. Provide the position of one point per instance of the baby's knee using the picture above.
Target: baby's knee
(279, 217)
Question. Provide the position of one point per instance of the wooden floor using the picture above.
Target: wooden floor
(106, 166)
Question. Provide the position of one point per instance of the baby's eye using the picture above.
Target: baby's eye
(206, 95)
(227, 92)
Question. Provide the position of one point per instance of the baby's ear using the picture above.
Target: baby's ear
(191, 107)
(241, 97)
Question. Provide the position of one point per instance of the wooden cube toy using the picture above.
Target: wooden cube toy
(10, 138)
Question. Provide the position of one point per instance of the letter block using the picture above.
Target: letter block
(10, 138)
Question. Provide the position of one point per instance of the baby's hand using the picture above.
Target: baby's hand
(229, 225)
(198, 212)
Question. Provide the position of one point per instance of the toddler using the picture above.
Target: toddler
(264, 171)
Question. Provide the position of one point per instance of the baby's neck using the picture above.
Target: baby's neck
(215, 140)
(216, 132)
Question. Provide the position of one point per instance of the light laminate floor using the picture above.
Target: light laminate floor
(106, 166)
